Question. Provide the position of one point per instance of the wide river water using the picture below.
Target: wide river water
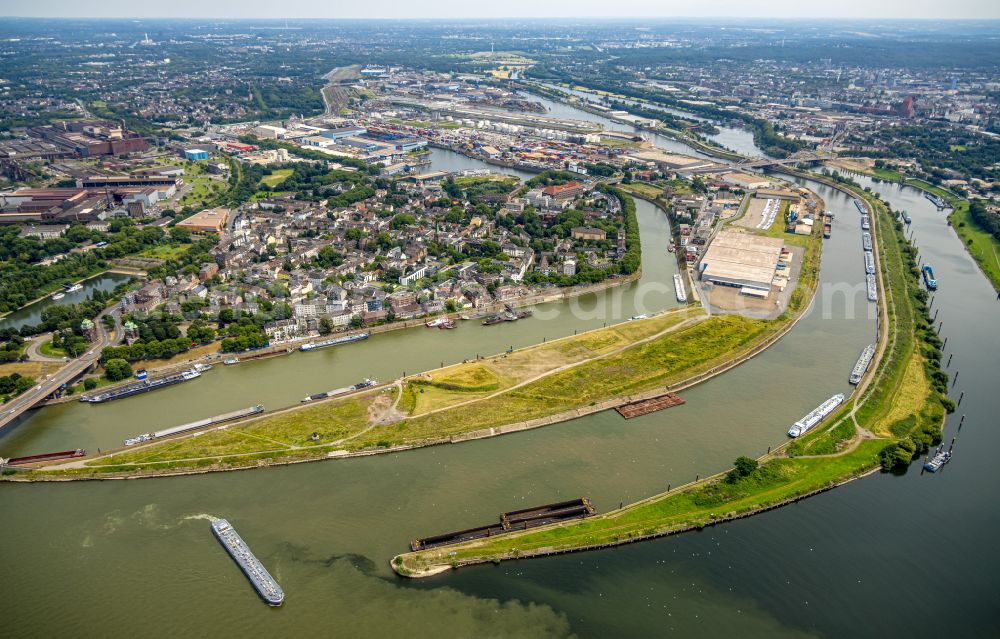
(885, 556)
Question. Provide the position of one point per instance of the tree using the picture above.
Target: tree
(325, 326)
(90, 383)
(117, 370)
(743, 467)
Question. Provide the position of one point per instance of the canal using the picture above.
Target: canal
(877, 550)
(32, 314)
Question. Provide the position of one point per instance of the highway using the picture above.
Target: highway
(29, 399)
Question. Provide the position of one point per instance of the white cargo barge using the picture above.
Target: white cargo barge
(861, 367)
(872, 287)
(866, 240)
(817, 415)
(347, 339)
(201, 423)
(869, 263)
(679, 289)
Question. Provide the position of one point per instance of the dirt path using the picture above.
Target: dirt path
(566, 367)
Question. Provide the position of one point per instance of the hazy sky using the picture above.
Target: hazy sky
(504, 8)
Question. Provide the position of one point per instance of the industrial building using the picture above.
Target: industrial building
(88, 138)
(195, 155)
(207, 221)
(742, 260)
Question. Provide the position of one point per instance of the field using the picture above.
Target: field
(165, 251)
(277, 177)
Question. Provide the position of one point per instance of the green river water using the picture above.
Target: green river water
(883, 556)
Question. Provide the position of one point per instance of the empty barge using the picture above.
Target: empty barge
(33, 459)
(510, 521)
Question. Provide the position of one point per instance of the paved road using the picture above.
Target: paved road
(26, 401)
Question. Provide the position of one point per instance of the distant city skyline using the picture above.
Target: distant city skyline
(376, 9)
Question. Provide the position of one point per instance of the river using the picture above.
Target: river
(882, 556)
(733, 138)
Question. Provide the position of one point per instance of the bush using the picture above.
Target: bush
(744, 467)
(89, 384)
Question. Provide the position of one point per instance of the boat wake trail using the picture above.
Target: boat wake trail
(201, 516)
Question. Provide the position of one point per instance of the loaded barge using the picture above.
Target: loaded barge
(366, 383)
(511, 521)
(646, 406)
(817, 415)
(347, 339)
(866, 240)
(262, 581)
(201, 423)
(32, 459)
(864, 361)
(141, 386)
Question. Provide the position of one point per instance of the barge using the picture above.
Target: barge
(936, 201)
(347, 339)
(941, 457)
(872, 287)
(679, 289)
(861, 206)
(201, 423)
(865, 223)
(869, 263)
(143, 386)
(866, 240)
(929, 279)
(861, 367)
(259, 577)
(651, 405)
(815, 416)
(510, 521)
(32, 459)
(366, 383)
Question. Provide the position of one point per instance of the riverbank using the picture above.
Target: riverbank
(981, 245)
(544, 384)
(778, 480)
(179, 362)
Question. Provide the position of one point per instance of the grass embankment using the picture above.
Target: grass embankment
(982, 246)
(903, 404)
